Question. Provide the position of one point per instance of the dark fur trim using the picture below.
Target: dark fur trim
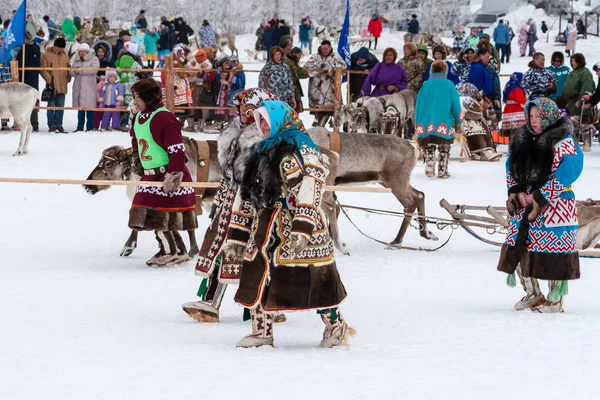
(147, 219)
(262, 183)
(556, 267)
(531, 156)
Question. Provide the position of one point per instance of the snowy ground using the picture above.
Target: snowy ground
(78, 322)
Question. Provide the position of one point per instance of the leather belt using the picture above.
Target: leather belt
(156, 171)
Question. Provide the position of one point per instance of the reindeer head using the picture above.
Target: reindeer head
(389, 122)
(115, 165)
(358, 118)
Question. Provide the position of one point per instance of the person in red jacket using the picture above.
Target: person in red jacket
(375, 28)
(514, 99)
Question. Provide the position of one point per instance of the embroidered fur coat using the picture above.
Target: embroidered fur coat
(281, 193)
(232, 143)
(545, 166)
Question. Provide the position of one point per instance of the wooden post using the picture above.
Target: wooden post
(338, 91)
(14, 70)
(348, 98)
(169, 83)
(23, 63)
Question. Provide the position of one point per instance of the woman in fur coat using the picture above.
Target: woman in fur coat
(437, 111)
(543, 163)
(159, 155)
(288, 256)
(217, 274)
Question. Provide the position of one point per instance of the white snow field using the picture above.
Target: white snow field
(79, 322)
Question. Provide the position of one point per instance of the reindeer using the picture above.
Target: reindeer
(17, 100)
(226, 40)
(367, 115)
(385, 159)
(116, 163)
(344, 115)
(400, 108)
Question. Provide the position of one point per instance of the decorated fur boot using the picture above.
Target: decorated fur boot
(262, 330)
(443, 163)
(429, 158)
(336, 329)
(554, 301)
(533, 297)
(207, 310)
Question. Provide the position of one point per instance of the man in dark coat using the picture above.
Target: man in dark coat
(183, 31)
(124, 36)
(413, 25)
(361, 60)
(32, 78)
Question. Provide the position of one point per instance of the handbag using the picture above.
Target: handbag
(49, 93)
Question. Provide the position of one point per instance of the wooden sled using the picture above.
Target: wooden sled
(495, 221)
(360, 41)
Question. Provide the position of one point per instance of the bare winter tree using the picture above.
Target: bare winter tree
(552, 7)
(437, 16)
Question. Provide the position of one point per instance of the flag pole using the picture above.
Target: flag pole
(23, 63)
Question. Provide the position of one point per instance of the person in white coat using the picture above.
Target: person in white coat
(84, 85)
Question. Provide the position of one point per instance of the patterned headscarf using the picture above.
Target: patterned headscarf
(251, 98)
(286, 127)
(548, 111)
(467, 89)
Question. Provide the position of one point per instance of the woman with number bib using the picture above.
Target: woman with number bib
(159, 156)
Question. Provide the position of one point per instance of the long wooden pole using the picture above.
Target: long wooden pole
(23, 63)
(208, 185)
(169, 83)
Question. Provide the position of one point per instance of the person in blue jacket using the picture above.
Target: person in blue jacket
(479, 74)
(439, 53)
(501, 39)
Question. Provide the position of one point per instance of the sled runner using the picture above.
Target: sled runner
(257, 55)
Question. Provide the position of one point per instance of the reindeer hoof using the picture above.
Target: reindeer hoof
(20, 153)
(127, 250)
(430, 236)
(193, 252)
(344, 249)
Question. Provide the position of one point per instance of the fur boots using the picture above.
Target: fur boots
(534, 298)
(336, 329)
(444, 158)
(262, 330)
(429, 158)
(171, 251)
(207, 310)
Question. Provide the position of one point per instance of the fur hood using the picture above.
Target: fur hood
(234, 145)
(75, 58)
(531, 156)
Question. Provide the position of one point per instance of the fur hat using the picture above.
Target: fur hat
(412, 47)
(440, 49)
(111, 73)
(60, 43)
(84, 47)
(149, 91)
(124, 33)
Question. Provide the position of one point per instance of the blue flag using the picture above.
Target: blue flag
(15, 34)
(344, 43)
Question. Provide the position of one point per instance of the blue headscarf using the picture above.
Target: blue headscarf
(512, 84)
(286, 127)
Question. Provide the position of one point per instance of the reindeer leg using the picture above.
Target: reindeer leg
(130, 244)
(420, 202)
(194, 251)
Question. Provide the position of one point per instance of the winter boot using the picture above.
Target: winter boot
(554, 300)
(444, 157)
(429, 158)
(207, 310)
(336, 329)
(167, 253)
(533, 297)
(278, 318)
(262, 330)
(191, 125)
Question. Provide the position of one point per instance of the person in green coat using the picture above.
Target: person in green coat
(292, 61)
(150, 43)
(69, 29)
(423, 54)
(437, 111)
(579, 83)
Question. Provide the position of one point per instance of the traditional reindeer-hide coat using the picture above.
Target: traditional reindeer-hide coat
(546, 166)
(415, 69)
(153, 208)
(321, 90)
(233, 142)
(284, 185)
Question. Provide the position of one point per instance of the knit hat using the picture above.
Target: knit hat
(61, 43)
(111, 73)
(596, 66)
(84, 47)
(142, 11)
(260, 114)
(124, 33)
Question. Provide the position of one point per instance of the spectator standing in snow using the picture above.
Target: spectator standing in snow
(511, 36)
(183, 31)
(413, 28)
(293, 63)
(387, 76)
(52, 27)
(544, 27)
(140, 21)
(268, 39)
(304, 33)
(559, 70)
(531, 36)
(579, 83)
(501, 39)
(538, 81)
(375, 28)
(571, 38)
(283, 29)
(151, 39)
(523, 40)
(207, 35)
